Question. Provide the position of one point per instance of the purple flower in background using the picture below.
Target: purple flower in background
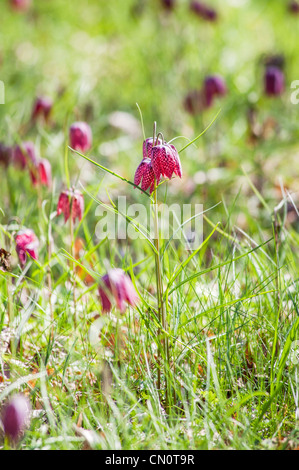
(145, 173)
(24, 154)
(20, 5)
(274, 81)
(293, 7)
(26, 244)
(80, 136)
(71, 202)
(117, 287)
(41, 173)
(15, 416)
(168, 4)
(203, 10)
(42, 108)
(214, 85)
(5, 154)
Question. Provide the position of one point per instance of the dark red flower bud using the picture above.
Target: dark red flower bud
(214, 85)
(116, 286)
(41, 173)
(148, 145)
(26, 244)
(80, 136)
(5, 155)
(42, 108)
(145, 173)
(15, 416)
(273, 81)
(20, 5)
(71, 200)
(24, 154)
(293, 7)
(165, 161)
(193, 102)
(168, 4)
(204, 11)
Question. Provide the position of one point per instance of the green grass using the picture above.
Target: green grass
(232, 306)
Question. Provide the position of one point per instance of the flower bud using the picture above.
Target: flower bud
(42, 108)
(20, 5)
(5, 155)
(24, 154)
(273, 81)
(204, 11)
(41, 173)
(71, 201)
(26, 244)
(15, 416)
(80, 136)
(117, 286)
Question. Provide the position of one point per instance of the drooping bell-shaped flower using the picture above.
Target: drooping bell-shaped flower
(117, 288)
(42, 108)
(41, 173)
(148, 145)
(24, 154)
(293, 7)
(5, 154)
(145, 174)
(80, 136)
(274, 81)
(15, 416)
(166, 161)
(203, 10)
(168, 4)
(20, 5)
(213, 86)
(26, 244)
(71, 203)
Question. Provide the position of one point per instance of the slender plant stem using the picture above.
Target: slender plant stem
(73, 266)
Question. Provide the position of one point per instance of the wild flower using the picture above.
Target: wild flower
(42, 108)
(80, 136)
(160, 159)
(24, 155)
(15, 416)
(20, 5)
(203, 10)
(26, 244)
(71, 203)
(274, 81)
(116, 287)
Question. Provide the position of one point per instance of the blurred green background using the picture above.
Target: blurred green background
(96, 58)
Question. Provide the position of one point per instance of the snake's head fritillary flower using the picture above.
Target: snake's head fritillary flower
(15, 416)
(5, 155)
(42, 108)
(145, 174)
(71, 203)
(193, 102)
(293, 7)
(214, 85)
(148, 145)
(273, 81)
(24, 154)
(26, 244)
(168, 4)
(116, 287)
(20, 5)
(166, 161)
(41, 173)
(203, 10)
(80, 136)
